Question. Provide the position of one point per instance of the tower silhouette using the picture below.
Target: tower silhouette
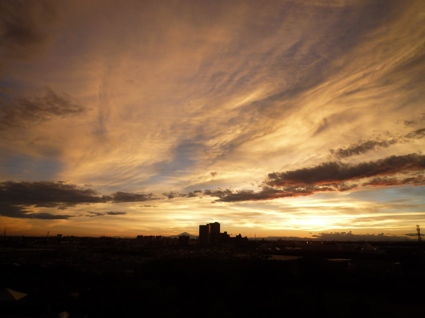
(209, 234)
(418, 230)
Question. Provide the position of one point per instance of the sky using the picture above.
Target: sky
(274, 118)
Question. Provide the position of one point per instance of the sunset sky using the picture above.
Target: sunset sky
(274, 118)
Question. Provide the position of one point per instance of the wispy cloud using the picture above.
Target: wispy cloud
(420, 120)
(130, 197)
(416, 134)
(393, 181)
(96, 214)
(373, 144)
(32, 111)
(116, 213)
(362, 148)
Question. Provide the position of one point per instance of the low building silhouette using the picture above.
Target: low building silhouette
(184, 240)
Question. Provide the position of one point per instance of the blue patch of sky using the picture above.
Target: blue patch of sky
(184, 158)
(386, 195)
(413, 195)
(27, 168)
(10, 90)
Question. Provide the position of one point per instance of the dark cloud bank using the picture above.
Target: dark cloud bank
(19, 211)
(327, 177)
(337, 172)
(17, 198)
(332, 176)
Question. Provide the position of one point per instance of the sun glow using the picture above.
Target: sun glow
(313, 223)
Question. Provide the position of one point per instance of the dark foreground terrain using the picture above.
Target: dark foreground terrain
(107, 282)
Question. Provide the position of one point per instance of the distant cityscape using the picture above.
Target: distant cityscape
(56, 276)
(210, 235)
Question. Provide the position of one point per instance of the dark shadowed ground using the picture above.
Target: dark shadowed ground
(104, 282)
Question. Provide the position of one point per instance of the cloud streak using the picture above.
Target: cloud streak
(31, 111)
(362, 148)
(337, 172)
(96, 214)
(370, 145)
(129, 197)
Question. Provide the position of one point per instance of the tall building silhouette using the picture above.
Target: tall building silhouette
(209, 234)
(214, 233)
(203, 234)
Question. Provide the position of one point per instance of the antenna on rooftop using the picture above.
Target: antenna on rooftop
(418, 229)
